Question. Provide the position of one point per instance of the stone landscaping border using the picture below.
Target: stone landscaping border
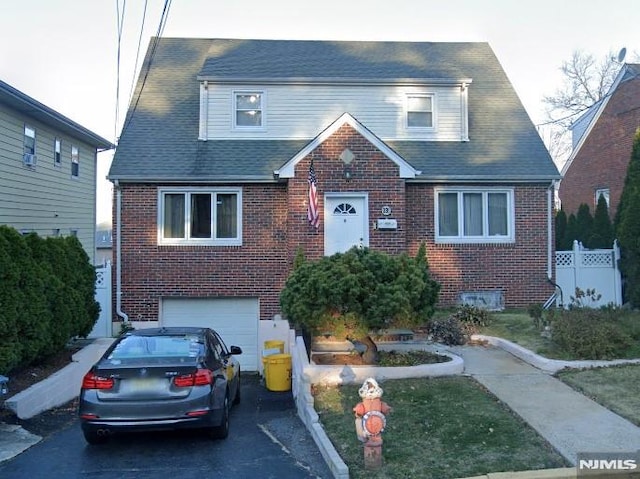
(545, 364)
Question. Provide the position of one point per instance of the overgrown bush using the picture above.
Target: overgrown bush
(536, 312)
(47, 289)
(449, 331)
(589, 334)
(472, 318)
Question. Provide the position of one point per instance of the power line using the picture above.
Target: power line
(135, 67)
(150, 55)
(120, 24)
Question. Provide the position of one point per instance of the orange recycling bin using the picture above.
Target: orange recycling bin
(277, 372)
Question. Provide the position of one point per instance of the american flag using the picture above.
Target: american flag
(312, 209)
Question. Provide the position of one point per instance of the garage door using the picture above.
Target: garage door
(235, 319)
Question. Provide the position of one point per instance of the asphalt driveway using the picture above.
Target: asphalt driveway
(266, 440)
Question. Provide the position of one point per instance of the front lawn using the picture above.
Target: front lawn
(517, 327)
(617, 388)
(439, 428)
(581, 333)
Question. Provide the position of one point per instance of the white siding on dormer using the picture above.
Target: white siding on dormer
(303, 111)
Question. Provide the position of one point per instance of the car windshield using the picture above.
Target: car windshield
(156, 347)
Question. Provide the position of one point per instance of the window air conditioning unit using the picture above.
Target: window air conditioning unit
(29, 159)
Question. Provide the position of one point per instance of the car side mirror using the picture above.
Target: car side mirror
(235, 350)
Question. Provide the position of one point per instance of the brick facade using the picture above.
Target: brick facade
(602, 160)
(517, 269)
(275, 225)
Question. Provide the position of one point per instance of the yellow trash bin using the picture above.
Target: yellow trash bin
(278, 372)
(274, 344)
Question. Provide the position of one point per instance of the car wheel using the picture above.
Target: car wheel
(222, 431)
(237, 398)
(93, 438)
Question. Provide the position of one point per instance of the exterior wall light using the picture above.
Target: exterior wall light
(347, 158)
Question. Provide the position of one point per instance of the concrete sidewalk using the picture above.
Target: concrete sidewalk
(568, 420)
(54, 391)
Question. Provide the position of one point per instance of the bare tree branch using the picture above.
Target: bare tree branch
(586, 81)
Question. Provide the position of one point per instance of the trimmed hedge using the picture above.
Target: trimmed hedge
(47, 296)
(350, 294)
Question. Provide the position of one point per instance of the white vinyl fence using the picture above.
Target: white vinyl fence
(103, 328)
(595, 269)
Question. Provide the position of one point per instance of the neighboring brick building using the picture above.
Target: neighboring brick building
(602, 149)
(408, 146)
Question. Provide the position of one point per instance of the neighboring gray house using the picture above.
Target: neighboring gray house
(47, 170)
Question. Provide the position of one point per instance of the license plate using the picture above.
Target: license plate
(145, 385)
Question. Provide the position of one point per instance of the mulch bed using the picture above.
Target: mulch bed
(20, 379)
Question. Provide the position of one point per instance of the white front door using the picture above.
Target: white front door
(346, 217)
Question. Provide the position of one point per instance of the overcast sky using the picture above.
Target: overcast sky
(63, 53)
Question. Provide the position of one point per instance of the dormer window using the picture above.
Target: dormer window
(249, 109)
(420, 111)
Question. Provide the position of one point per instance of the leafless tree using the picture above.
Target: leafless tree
(587, 80)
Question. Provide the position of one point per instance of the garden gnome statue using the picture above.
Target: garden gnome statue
(370, 422)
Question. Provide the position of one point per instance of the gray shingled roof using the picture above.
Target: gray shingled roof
(159, 141)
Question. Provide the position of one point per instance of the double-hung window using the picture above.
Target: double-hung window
(602, 192)
(57, 152)
(420, 111)
(75, 161)
(29, 140)
(471, 215)
(203, 216)
(249, 109)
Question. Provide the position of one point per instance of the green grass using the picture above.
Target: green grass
(617, 388)
(439, 428)
(518, 327)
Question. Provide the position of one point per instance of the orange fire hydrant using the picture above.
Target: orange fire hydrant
(371, 421)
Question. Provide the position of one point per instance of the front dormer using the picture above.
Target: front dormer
(406, 110)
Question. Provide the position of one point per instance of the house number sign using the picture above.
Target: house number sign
(386, 210)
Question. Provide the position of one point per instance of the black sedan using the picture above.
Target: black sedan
(161, 378)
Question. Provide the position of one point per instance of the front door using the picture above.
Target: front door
(346, 218)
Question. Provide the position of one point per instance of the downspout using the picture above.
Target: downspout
(119, 311)
(558, 289)
(550, 192)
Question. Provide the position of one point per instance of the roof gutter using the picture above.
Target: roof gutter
(335, 81)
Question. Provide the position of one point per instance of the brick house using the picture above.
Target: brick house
(603, 140)
(410, 143)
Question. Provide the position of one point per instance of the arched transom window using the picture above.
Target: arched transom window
(344, 209)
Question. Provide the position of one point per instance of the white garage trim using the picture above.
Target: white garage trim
(235, 319)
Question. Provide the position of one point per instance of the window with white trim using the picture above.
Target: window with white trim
(57, 152)
(601, 192)
(75, 161)
(29, 140)
(473, 215)
(202, 216)
(420, 110)
(248, 109)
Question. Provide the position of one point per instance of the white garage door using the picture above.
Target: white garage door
(235, 319)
